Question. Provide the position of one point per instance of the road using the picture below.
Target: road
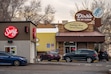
(58, 68)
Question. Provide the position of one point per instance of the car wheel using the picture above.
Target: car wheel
(107, 59)
(89, 60)
(16, 63)
(68, 59)
(41, 59)
(58, 60)
(49, 60)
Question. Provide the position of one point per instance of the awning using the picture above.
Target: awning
(94, 36)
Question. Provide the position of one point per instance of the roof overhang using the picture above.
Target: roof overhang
(80, 37)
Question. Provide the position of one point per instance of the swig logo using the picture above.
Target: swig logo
(11, 32)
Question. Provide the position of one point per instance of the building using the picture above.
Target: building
(82, 33)
(69, 41)
(19, 38)
(46, 34)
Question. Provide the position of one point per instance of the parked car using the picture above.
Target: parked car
(103, 55)
(8, 59)
(88, 55)
(50, 55)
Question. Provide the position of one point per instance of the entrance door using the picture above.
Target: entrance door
(67, 50)
(73, 48)
(69, 47)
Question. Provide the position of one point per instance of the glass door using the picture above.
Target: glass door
(73, 48)
(69, 47)
(67, 50)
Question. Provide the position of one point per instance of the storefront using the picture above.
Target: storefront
(19, 38)
(68, 42)
(81, 33)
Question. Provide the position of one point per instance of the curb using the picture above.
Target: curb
(38, 60)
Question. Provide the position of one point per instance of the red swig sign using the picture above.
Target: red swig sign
(11, 31)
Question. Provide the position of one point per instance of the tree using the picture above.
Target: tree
(106, 17)
(33, 13)
(49, 14)
(8, 9)
(18, 10)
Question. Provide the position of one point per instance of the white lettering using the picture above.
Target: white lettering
(79, 15)
(11, 32)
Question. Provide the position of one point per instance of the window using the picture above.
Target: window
(11, 49)
(78, 52)
(48, 45)
(84, 52)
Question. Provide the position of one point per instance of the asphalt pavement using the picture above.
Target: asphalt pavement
(75, 62)
(61, 67)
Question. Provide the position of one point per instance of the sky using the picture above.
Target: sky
(63, 8)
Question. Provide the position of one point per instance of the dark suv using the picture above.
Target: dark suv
(88, 55)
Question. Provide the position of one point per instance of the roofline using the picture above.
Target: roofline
(47, 30)
(18, 22)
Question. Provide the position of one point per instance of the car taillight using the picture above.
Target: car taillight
(94, 55)
(51, 55)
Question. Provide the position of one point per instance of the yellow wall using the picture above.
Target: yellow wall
(46, 42)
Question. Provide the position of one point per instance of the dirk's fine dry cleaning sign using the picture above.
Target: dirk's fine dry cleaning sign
(84, 16)
(76, 26)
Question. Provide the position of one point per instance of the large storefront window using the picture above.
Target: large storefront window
(11, 49)
(69, 47)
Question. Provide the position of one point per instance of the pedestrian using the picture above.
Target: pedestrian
(100, 55)
(103, 55)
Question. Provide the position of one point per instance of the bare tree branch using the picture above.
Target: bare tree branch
(16, 10)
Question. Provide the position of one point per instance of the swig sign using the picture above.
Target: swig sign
(84, 16)
(11, 32)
